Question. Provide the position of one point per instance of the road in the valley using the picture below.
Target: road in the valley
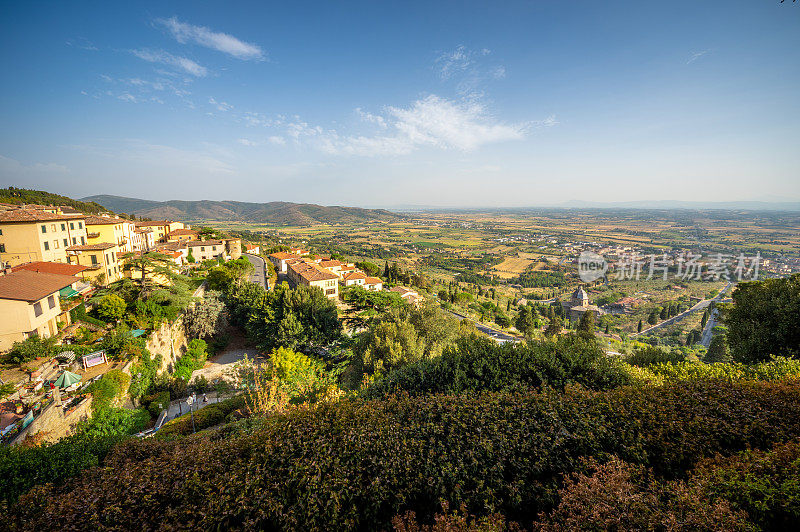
(699, 306)
(259, 275)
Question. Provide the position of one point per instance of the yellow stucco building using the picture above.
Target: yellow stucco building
(38, 235)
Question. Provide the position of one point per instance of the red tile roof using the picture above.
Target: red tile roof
(354, 275)
(104, 220)
(282, 255)
(29, 215)
(92, 247)
(51, 267)
(372, 280)
(178, 232)
(26, 285)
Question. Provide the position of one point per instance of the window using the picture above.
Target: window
(47, 246)
(2, 248)
(66, 243)
(37, 309)
(53, 227)
(213, 248)
(83, 240)
(80, 225)
(202, 248)
(63, 227)
(74, 240)
(71, 225)
(1, 232)
(51, 302)
(109, 272)
(44, 229)
(94, 260)
(55, 244)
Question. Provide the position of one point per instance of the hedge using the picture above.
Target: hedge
(79, 314)
(480, 364)
(356, 464)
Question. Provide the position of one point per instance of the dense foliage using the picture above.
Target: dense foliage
(283, 317)
(208, 416)
(477, 364)
(355, 464)
(763, 319)
(39, 197)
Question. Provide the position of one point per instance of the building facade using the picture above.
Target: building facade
(38, 235)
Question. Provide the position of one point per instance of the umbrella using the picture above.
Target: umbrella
(67, 379)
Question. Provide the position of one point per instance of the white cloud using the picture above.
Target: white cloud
(431, 121)
(369, 117)
(221, 106)
(279, 141)
(694, 56)
(203, 36)
(469, 69)
(247, 142)
(165, 58)
(444, 123)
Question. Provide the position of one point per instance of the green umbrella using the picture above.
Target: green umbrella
(67, 379)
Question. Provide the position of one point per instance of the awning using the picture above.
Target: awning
(69, 356)
(137, 332)
(68, 292)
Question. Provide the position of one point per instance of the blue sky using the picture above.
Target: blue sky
(378, 103)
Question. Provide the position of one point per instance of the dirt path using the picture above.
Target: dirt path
(238, 347)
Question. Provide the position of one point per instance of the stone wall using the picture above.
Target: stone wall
(54, 422)
(169, 341)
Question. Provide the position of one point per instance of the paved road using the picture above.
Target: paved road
(699, 306)
(259, 275)
(705, 339)
(485, 329)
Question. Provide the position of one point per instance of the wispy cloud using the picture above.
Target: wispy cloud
(694, 56)
(166, 58)
(430, 121)
(82, 43)
(221, 106)
(222, 42)
(13, 168)
(469, 69)
(247, 142)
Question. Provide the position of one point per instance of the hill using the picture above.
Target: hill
(277, 212)
(39, 197)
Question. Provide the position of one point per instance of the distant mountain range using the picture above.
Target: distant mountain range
(692, 205)
(274, 212)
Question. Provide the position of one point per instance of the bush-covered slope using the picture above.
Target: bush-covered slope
(40, 197)
(278, 212)
(356, 464)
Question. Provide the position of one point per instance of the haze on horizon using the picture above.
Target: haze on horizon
(452, 104)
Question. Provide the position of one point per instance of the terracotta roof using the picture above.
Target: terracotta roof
(403, 291)
(92, 247)
(282, 255)
(354, 275)
(311, 272)
(148, 230)
(30, 215)
(51, 267)
(26, 285)
(103, 220)
(330, 263)
(154, 222)
(177, 232)
(196, 243)
(372, 280)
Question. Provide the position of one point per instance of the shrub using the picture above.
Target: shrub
(479, 364)
(30, 348)
(111, 307)
(647, 355)
(159, 402)
(104, 391)
(79, 314)
(355, 464)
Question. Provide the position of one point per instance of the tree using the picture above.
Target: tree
(111, 307)
(190, 258)
(639, 328)
(554, 328)
(763, 319)
(718, 350)
(149, 266)
(606, 332)
(586, 325)
(664, 314)
(653, 318)
(207, 317)
(704, 319)
(30, 348)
